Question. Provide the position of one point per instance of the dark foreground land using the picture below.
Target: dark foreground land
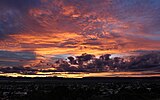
(79, 89)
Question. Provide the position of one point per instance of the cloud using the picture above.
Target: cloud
(85, 17)
(149, 60)
(19, 69)
(9, 58)
(58, 27)
(141, 61)
(14, 16)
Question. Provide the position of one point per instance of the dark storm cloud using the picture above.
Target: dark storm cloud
(148, 61)
(23, 55)
(87, 62)
(9, 58)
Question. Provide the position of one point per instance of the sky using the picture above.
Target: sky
(44, 30)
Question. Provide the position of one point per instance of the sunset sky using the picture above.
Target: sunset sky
(35, 30)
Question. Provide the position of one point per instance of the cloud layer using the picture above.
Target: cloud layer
(46, 28)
